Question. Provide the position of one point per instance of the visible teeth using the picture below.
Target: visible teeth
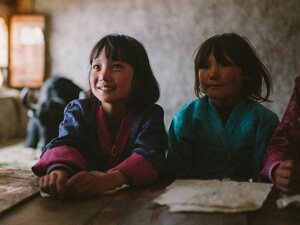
(106, 88)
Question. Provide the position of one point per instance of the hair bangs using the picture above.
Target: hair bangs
(120, 48)
(117, 48)
(216, 48)
(222, 54)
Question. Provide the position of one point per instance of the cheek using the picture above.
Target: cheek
(125, 87)
(129, 86)
(233, 81)
(235, 77)
(201, 79)
(236, 81)
(91, 78)
(92, 84)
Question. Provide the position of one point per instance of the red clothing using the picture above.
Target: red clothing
(84, 136)
(279, 148)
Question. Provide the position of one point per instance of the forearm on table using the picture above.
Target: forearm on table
(138, 169)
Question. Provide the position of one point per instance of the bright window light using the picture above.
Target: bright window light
(3, 43)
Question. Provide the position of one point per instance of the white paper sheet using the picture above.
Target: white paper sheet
(214, 196)
(286, 200)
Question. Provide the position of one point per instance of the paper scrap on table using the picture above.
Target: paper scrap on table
(46, 195)
(287, 200)
(117, 189)
(214, 196)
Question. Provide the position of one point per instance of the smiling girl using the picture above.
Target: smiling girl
(115, 137)
(223, 134)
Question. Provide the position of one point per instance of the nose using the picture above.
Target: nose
(214, 71)
(104, 74)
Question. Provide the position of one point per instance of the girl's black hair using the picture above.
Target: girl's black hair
(145, 89)
(242, 54)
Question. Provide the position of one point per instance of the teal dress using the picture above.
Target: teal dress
(201, 146)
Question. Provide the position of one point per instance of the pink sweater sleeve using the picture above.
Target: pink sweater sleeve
(138, 169)
(59, 155)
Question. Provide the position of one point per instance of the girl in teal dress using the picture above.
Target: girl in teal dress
(225, 132)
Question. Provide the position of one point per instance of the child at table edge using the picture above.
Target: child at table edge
(282, 159)
(115, 137)
(225, 133)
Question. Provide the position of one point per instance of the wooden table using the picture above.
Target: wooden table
(132, 206)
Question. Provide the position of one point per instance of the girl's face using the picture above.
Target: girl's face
(222, 83)
(111, 81)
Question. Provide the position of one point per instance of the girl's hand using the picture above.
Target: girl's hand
(87, 184)
(287, 177)
(54, 183)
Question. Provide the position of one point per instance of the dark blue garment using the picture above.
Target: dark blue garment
(147, 136)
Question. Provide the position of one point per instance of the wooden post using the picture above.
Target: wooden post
(25, 6)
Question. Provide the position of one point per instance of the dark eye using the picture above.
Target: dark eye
(96, 67)
(225, 64)
(204, 66)
(117, 66)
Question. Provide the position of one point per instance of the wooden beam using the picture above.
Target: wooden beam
(25, 6)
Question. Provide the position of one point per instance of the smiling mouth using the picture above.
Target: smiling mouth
(106, 88)
(215, 86)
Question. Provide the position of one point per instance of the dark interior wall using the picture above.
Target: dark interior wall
(171, 30)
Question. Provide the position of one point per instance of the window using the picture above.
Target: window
(3, 50)
(27, 51)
